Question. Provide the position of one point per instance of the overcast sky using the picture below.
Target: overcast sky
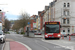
(14, 7)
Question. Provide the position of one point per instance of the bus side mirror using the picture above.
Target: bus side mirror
(60, 26)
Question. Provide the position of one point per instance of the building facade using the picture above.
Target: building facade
(46, 15)
(41, 19)
(2, 18)
(37, 23)
(65, 13)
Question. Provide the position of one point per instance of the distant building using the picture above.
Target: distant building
(41, 19)
(2, 18)
(33, 22)
(46, 14)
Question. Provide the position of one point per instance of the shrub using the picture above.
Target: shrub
(7, 33)
(22, 32)
(17, 32)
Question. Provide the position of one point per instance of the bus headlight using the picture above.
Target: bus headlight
(46, 35)
(58, 35)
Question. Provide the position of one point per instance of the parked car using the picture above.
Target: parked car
(42, 32)
(73, 34)
(33, 31)
(2, 37)
(63, 34)
(37, 33)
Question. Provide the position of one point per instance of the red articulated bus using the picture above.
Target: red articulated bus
(52, 30)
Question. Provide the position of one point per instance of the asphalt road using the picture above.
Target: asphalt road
(36, 43)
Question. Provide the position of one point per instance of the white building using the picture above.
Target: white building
(46, 15)
(51, 11)
(64, 11)
(39, 22)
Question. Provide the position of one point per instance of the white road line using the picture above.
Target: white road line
(25, 45)
(41, 45)
(66, 47)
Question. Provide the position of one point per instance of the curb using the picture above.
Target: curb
(3, 46)
(24, 45)
(33, 37)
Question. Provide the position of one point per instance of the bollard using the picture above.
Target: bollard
(69, 37)
(62, 36)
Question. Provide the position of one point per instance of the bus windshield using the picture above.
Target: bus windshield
(52, 28)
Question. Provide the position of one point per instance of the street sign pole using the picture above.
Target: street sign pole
(28, 29)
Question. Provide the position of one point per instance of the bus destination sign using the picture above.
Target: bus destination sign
(52, 23)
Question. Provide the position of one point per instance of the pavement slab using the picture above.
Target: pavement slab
(6, 47)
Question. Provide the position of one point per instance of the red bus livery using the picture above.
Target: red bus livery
(52, 30)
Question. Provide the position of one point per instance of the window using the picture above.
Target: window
(63, 30)
(64, 4)
(68, 30)
(64, 21)
(34, 20)
(67, 21)
(68, 5)
(67, 12)
(64, 12)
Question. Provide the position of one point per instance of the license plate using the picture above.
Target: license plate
(49, 36)
(52, 37)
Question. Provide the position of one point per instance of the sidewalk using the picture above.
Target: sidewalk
(14, 46)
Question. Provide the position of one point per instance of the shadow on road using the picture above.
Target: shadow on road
(1, 43)
(52, 39)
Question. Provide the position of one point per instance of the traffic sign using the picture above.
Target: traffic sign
(28, 22)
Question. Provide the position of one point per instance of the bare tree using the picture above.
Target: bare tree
(24, 19)
(22, 22)
(16, 25)
(7, 25)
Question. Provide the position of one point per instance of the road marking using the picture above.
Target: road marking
(41, 45)
(25, 45)
(59, 45)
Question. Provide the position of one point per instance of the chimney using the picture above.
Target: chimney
(46, 7)
(39, 12)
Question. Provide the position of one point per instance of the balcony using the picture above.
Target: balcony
(66, 8)
(65, 25)
(66, 16)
